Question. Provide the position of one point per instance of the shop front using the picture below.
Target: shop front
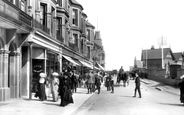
(39, 54)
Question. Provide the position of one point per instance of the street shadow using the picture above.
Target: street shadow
(81, 92)
(53, 104)
(157, 85)
(31, 99)
(172, 104)
(120, 85)
(127, 96)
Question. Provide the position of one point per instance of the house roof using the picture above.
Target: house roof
(155, 53)
(97, 39)
(89, 24)
(177, 55)
(76, 3)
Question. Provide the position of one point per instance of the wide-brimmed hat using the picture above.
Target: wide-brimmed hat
(55, 74)
(43, 75)
(182, 77)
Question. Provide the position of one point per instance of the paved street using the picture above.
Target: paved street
(153, 102)
(157, 99)
(48, 107)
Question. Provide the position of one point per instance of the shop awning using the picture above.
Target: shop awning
(102, 68)
(71, 60)
(86, 64)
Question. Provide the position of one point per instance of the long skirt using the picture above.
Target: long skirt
(66, 96)
(181, 96)
(42, 92)
(54, 93)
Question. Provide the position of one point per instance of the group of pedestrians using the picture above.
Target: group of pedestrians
(93, 81)
(63, 85)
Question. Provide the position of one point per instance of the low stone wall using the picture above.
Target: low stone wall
(160, 76)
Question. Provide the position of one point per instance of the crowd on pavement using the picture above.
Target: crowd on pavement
(64, 84)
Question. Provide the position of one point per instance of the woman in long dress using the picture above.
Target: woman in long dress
(42, 95)
(54, 86)
(65, 90)
(181, 85)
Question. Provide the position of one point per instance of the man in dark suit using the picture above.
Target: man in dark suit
(137, 86)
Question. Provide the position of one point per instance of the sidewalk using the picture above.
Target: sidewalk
(162, 87)
(48, 107)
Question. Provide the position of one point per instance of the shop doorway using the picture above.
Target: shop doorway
(38, 67)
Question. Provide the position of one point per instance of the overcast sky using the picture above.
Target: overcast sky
(128, 26)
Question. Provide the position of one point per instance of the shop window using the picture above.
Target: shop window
(52, 63)
(75, 17)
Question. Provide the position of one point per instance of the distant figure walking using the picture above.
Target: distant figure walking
(137, 86)
(181, 85)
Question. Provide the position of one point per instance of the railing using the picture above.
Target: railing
(37, 24)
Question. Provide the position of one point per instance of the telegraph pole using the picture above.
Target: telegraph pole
(161, 44)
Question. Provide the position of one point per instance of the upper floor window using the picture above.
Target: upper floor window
(88, 34)
(75, 37)
(88, 52)
(60, 2)
(59, 29)
(75, 17)
(103, 56)
(43, 12)
(15, 2)
(23, 5)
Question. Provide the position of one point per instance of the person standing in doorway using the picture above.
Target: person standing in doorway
(137, 86)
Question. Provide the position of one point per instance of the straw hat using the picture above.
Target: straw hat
(182, 77)
(55, 74)
(43, 75)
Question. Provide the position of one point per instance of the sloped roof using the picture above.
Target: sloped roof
(97, 39)
(76, 3)
(90, 25)
(155, 53)
(177, 55)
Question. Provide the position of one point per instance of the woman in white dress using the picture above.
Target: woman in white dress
(54, 86)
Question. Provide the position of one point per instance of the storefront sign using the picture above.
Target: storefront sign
(9, 10)
(38, 53)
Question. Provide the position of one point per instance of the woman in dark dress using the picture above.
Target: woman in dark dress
(65, 90)
(181, 85)
(42, 95)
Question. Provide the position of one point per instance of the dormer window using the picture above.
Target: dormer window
(75, 17)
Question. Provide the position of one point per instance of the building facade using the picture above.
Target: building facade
(34, 37)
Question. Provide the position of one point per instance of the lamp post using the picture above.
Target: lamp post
(94, 52)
